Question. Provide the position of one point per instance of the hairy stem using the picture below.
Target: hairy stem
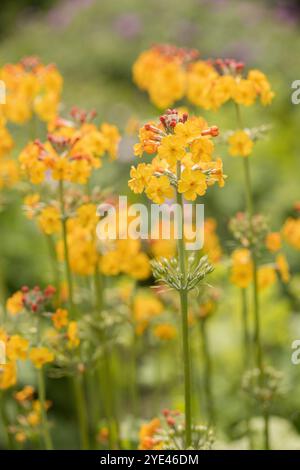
(184, 325)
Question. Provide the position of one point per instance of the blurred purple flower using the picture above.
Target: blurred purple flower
(128, 25)
(287, 12)
(62, 14)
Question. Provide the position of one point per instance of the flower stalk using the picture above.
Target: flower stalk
(42, 398)
(185, 329)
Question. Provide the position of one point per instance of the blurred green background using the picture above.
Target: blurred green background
(94, 44)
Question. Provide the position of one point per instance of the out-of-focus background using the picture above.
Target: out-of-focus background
(94, 44)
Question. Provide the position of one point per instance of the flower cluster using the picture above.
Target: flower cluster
(29, 419)
(265, 244)
(168, 74)
(72, 150)
(291, 232)
(176, 140)
(31, 87)
(167, 433)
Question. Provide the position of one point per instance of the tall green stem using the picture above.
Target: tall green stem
(246, 336)
(81, 412)
(5, 422)
(55, 270)
(104, 370)
(42, 398)
(66, 249)
(184, 323)
(207, 373)
(257, 335)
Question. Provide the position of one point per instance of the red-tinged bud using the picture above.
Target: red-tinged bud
(173, 123)
(34, 307)
(171, 421)
(239, 66)
(213, 131)
(166, 412)
(25, 289)
(49, 291)
(93, 114)
(36, 288)
(185, 117)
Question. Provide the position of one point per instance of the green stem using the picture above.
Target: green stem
(5, 422)
(81, 412)
(207, 372)
(246, 336)
(257, 334)
(42, 398)
(133, 384)
(266, 430)
(66, 249)
(105, 373)
(184, 324)
(55, 269)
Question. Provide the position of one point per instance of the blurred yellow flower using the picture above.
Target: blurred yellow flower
(240, 144)
(40, 356)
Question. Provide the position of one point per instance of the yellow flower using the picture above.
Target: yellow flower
(72, 335)
(172, 148)
(212, 246)
(202, 149)
(87, 216)
(31, 203)
(242, 268)
(192, 184)
(9, 173)
(291, 232)
(165, 331)
(147, 433)
(266, 277)
(61, 170)
(110, 263)
(78, 171)
(190, 130)
(40, 356)
(283, 268)
(140, 177)
(112, 138)
(17, 348)
(25, 394)
(6, 141)
(159, 189)
(33, 418)
(20, 437)
(262, 86)
(273, 241)
(8, 375)
(14, 304)
(244, 92)
(145, 307)
(49, 220)
(240, 144)
(139, 266)
(60, 318)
